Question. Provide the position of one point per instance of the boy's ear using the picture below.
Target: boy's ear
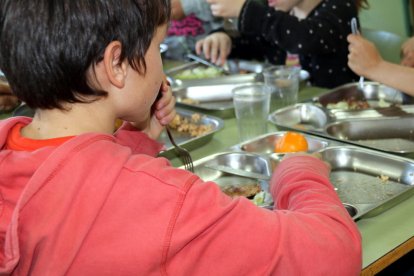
(116, 69)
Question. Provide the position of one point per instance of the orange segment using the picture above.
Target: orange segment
(291, 142)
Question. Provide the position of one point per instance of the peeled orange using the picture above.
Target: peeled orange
(291, 142)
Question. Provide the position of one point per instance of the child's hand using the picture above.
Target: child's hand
(8, 102)
(407, 51)
(363, 56)
(408, 46)
(163, 111)
(408, 59)
(215, 47)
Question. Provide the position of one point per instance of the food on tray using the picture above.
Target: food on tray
(291, 142)
(189, 101)
(198, 73)
(190, 125)
(384, 178)
(349, 104)
(246, 190)
(262, 198)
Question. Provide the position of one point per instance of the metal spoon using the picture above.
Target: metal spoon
(208, 63)
(354, 27)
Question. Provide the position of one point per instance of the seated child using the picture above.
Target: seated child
(78, 199)
(315, 30)
(191, 21)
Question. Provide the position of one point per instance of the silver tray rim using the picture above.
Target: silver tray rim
(363, 210)
(196, 141)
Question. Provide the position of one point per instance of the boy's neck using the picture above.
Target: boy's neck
(303, 9)
(78, 119)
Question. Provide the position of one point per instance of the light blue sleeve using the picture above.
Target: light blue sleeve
(201, 9)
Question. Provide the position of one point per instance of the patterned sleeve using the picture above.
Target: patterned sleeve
(321, 32)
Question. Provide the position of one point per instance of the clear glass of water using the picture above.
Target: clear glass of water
(251, 105)
(282, 82)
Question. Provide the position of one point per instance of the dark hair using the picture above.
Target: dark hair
(47, 46)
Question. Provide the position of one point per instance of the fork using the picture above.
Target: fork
(354, 27)
(182, 152)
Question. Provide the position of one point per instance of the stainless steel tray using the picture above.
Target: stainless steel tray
(376, 94)
(387, 129)
(184, 139)
(213, 95)
(265, 144)
(394, 134)
(239, 161)
(213, 99)
(368, 182)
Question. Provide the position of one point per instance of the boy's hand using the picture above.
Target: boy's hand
(8, 101)
(163, 111)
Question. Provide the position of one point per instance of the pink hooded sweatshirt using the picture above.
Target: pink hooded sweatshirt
(104, 205)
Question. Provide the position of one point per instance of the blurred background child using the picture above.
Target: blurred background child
(316, 30)
(191, 21)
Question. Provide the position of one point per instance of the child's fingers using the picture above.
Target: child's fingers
(166, 114)
(206, 49)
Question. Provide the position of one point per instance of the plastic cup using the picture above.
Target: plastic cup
(282, 82)
(251, 105)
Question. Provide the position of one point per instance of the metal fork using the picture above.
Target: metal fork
(355, 30)
(182, 152)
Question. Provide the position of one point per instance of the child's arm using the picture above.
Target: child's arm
(307, 232)
(177, 12)
(365, 60)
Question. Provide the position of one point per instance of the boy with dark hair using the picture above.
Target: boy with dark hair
(78, 199)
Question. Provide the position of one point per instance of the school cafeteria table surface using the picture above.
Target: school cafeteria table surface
(385, 238)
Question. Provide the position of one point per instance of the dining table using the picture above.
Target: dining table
(386, 237)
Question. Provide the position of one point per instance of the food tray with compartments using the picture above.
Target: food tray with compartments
(357, 96)
(389, 129)
(368, 182)
(184, 138)
(213, 94)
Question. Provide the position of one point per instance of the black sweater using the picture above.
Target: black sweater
(319, 40)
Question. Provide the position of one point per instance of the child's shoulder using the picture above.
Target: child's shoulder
(159, 170)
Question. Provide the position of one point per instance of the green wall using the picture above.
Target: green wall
(387, 15)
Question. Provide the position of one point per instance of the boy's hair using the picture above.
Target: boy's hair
(47, 46)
